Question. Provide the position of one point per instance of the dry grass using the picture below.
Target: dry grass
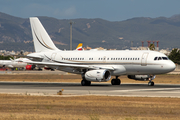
(173, 79)
(88, 108)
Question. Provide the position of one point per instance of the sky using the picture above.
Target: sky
(111, 10)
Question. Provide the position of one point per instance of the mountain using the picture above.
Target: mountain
(15, 32)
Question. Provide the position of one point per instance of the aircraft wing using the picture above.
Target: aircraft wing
(33, 58)
(10, 66)
(72, 65)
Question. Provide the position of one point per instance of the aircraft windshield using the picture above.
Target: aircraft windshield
(161, 58)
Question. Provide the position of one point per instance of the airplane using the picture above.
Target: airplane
(17, 63)
(98, 66)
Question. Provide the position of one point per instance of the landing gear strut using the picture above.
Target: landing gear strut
(151, 83)
(116, 81)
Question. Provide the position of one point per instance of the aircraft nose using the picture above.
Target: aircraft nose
(171, 66)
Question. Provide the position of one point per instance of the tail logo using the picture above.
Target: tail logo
(79, 47)
(43, 44)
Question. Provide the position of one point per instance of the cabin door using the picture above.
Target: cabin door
(144, 59)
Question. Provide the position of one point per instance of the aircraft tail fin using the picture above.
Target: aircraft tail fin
(79, 47)
(42, 41)
(11, 59)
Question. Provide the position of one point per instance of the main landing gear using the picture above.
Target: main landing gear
(116, 81)
(84, 82)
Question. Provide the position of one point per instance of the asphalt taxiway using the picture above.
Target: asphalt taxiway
(138, 90)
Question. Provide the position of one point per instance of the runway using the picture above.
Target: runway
(138, 90)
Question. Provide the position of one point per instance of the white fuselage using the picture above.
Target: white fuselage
(127, 62)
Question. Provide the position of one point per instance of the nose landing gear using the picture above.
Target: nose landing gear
(151, 83)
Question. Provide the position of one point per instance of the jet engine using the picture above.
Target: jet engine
(98, 75)
(30, 67)
(139, 77)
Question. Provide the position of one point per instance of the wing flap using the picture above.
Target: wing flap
(71, 65)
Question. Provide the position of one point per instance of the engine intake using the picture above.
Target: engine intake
(98, 75)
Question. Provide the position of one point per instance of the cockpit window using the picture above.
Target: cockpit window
(155, 58)
(159, 58)
(164, 58)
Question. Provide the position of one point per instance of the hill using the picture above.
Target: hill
(15, 33)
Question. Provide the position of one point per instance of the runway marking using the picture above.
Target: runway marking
(145, 89)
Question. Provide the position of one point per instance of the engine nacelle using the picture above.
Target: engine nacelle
(30, 67)
(98, 75)
(139, 77)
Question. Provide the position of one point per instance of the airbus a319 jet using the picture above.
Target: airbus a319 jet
(98, 66)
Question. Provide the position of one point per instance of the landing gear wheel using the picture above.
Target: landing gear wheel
(150, 83)
(88, 83)
(115, 81)
(118, 82)
(85, 83)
